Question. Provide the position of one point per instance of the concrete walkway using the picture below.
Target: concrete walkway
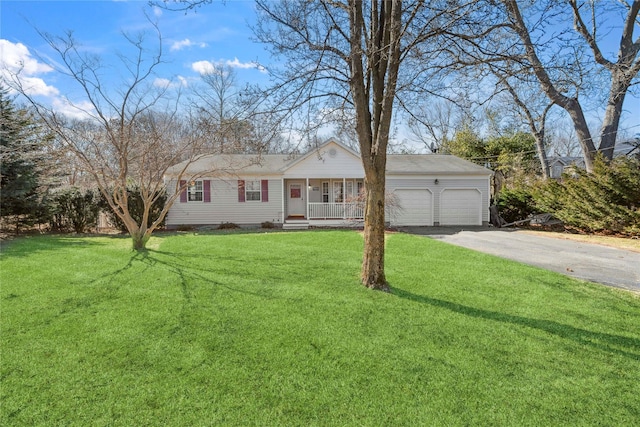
(587, 261)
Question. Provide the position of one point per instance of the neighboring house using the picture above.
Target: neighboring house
(627, 148)
(561, 164)
(319, 189)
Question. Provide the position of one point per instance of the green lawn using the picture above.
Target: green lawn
(274, 329)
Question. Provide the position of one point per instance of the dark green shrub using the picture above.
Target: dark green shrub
(515, 204)
(136, 209)
(185, 227)
(607, 200)
(75, 209)
(267, 224)
(228, 226)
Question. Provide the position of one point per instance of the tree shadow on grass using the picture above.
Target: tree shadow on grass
(611, 343)
(189, 270)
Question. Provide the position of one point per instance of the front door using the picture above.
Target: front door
(295, 199)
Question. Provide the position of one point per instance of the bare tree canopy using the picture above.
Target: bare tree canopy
(565, 47)
(126, 136)
(233, 117)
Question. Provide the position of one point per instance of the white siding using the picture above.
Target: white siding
(331, 161)
(225, 207)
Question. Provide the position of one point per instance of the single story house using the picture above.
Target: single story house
(321, 188)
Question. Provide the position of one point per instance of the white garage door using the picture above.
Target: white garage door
(460, 207)
(415, 207)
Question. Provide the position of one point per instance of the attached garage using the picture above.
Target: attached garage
(415, 207)
(435, 189)
(461, 206)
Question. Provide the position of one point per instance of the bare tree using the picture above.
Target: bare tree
(532, 107)
(130, 135)
(234, 117)
(349, 55)
(433, 123)
(589, 21)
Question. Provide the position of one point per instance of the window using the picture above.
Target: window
(252, 190)
(325, 192)
(360, 186)
(338, 191)
(349, 189)
(194, 191)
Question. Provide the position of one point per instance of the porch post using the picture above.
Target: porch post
(344, 198)
(284, 195)
(307, 199)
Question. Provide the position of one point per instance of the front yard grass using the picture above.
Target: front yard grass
(274, 329)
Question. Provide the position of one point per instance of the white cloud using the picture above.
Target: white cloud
(179, 45)
(203, 67)
(159, 82)
(166, 83)
(77, 110)
(235, 63)
(16, 62)
(16, 57)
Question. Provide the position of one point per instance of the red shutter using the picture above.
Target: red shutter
(183, 192)
(206, 187)
(241, 190)
(265, 190)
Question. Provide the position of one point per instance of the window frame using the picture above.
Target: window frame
(193, 191)
(252, 186)
(338, 192)
(325, 191)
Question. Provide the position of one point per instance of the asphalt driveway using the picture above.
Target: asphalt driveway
(587, 261)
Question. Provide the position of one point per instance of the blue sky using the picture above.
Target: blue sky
(215, 34)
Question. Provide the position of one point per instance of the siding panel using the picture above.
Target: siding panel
(225, 207)
(331, 162)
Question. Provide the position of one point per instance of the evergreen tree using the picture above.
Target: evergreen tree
(20, 152)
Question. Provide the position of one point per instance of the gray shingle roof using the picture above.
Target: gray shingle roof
(235, 163)
(277, 163)
(432, 164)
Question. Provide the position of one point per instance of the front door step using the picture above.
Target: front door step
(295, 224)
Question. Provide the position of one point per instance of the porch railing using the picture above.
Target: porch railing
(335, 211)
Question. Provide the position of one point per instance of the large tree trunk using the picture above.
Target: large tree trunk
(373, 92)
(139, 239)
(609, 131)
(542, 154)
(373, 260)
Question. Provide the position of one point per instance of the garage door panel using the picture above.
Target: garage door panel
(461, 207)
(415, 207)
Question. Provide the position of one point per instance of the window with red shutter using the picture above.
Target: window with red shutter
(206, 188)
(265, 190)
(241, 197)
(183, 192)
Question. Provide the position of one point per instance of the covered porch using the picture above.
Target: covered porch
(322, 202)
